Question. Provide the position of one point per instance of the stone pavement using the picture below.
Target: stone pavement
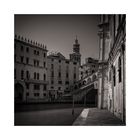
(97, 117)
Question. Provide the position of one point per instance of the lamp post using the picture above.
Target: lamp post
(72, 101)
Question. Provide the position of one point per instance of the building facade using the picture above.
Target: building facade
(30, 71)
(111, 93)
(63, 73)
(90, 67)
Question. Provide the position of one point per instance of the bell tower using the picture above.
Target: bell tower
(76, 46)
(76, 56)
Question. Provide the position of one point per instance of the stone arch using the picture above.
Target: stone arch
(84, 82)
(88, 80)
(19, 90)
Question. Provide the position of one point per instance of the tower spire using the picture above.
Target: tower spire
(76, 40)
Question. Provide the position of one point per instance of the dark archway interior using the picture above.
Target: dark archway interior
(91, 98)
(18, 92)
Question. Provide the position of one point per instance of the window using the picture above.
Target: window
(67, 62)
(37, 62)
(27, 74)
(51, 66)
(59, 88)
(27, 94)
(36, 87)
(37, 52)
(27, 49)
(52, 74)
(44, 87)
(34, 75)
(59, 82)
(44, 55)
(52, 59)
(74, 63)
(67, 75)
(74, 76)
(59, 61)
(34, 62)
(59, 74)
(27, 60)
(37, 76)
(119, 69)
(21, 48)
(44, 64)
(52, 87)
(34, 51)
(52, 82)
(114, 76)
(93, 71)
(44, 77)
(21, 59)
(67, 82)
(44, 94)
(27, 85)
(36, 94)
(22, 74)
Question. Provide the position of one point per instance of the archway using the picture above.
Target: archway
(18, 92)
(92, 98)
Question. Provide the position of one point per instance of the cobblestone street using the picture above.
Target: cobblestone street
(97, 117)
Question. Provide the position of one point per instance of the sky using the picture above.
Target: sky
(58, 32)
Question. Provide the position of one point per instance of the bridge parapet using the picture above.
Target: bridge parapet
(81, 87)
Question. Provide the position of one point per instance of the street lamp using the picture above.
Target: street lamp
(72, 100)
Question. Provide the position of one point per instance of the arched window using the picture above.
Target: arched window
(27, 74)
(44, 77)
(37, 76)
(34, 75)
(22, 74)
(84, 82)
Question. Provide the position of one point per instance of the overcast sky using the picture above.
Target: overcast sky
(58, 32)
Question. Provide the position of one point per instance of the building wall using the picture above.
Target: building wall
(28, 50)
(110, 85)
(88, 68)
(64, 66)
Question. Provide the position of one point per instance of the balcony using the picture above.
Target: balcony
(36, 81)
